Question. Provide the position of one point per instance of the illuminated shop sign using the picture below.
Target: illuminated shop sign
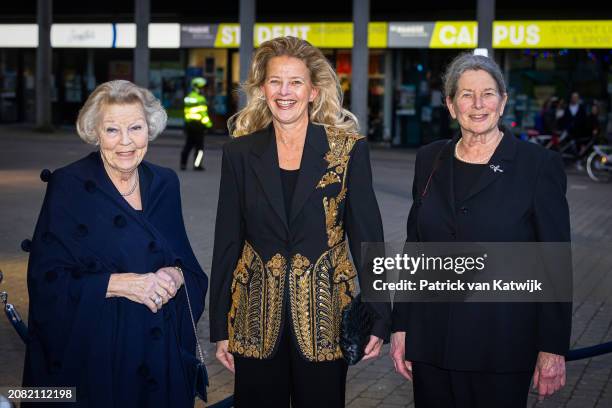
(322, 35)
(429, 34)
(553, 34)
(93, 35)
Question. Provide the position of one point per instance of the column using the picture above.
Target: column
(359, 63)
(247, 23)
(388, 98)
(142, 17)
(44, 16)
(485, 14)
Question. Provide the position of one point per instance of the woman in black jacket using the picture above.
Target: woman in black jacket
(484, 185)
(295, 183)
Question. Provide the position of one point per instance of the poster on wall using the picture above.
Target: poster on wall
(406, 104)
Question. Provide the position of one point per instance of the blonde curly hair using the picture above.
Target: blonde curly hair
(326, 109)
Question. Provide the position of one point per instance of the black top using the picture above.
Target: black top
(289, 181)
(465, 175)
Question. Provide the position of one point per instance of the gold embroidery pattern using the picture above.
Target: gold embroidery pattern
(328, 178)
(340, 146)
(318, 294)
(255, 314)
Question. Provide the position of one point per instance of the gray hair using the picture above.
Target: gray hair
(470, 62)
(119, 92)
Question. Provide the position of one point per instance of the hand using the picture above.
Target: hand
(225, 357)
(173, 276)
(373, 347)
(148, 289)
(398, 355)
(549, 374)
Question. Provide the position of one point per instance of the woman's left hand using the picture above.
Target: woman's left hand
(173, 276)
(372, 350)
(549, 374)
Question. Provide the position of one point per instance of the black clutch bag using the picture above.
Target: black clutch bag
(355, 330)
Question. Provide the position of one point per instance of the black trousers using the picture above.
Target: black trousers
(287, 377)
(439, 388)
(194, 140)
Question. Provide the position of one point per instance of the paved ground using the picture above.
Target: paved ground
(24, 153)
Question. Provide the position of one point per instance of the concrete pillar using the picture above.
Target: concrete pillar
(90, 72)
(485, 14)
(359, 63)
(247, 24)
(142, 17)
(388, 98)
(43, 65)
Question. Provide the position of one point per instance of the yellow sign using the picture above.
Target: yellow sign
(446, 34)
(553, 34)
(323, 35)
(454, 34)
(228, 36)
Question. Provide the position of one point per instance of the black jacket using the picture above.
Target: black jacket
(267, 268)
(524, 203)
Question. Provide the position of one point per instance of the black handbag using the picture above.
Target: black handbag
(355, 330)
(195, 366)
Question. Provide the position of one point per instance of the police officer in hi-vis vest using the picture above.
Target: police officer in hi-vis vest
(197, 122)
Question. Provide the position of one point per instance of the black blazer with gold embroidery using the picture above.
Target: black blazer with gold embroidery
(267, 268)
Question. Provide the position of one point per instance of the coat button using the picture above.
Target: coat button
(152, 384)
(143, 370)
(51, 275)
(82, 230)
(76, 273)
(156, 333)
(45, 175)
(26, 245)
(119, 221)
(90, 186)
(56, 365)
(463, 210)
(153, 247)
(47, 237)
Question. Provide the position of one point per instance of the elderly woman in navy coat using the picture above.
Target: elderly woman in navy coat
(110, 265)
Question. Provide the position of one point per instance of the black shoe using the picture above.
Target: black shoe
(183, 167)
(201, 168)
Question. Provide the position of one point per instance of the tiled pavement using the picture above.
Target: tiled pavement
(24, 153)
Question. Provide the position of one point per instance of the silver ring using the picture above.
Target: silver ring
(158, 300)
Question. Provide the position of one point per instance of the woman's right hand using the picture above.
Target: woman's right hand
(398, 355)
(141, 288)
(224, 356)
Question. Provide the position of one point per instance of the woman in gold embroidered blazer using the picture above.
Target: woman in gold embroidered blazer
(293, 185)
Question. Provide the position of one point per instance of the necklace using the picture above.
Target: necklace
(482, 161)
(132, 189)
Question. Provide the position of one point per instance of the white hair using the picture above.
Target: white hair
(119, 92)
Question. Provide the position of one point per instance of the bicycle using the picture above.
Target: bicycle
(599, 164)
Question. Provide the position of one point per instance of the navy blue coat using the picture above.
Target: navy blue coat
(115, 351)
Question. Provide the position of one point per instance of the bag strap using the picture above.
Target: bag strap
(195, 329)
(435, 166)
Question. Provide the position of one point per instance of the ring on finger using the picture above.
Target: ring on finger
(157, 300)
